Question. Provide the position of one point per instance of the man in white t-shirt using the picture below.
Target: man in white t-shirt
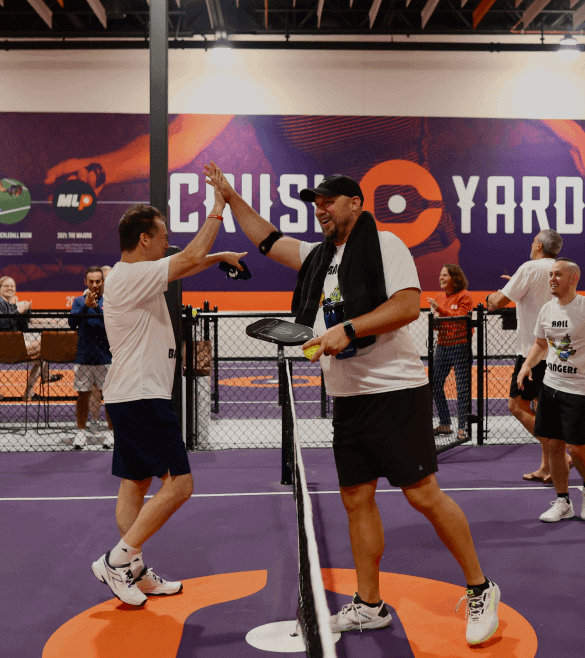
(529, 290)
(382, 415)
(560, 416)
(137, 391)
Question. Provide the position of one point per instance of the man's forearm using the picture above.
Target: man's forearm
(536, 355)
(254, 225)
(208, 261)
(402, 309)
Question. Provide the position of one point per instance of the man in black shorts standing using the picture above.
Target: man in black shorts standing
(529, 290)
(382, 415)
(560, 416)
(137, 392)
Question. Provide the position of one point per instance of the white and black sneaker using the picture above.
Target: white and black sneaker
(561, 508)
(108, 442)
(149, 583)
(80, 440)
(357, 615)
(119, 579)
(481, 612)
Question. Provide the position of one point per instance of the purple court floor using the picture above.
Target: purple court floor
(234, 546)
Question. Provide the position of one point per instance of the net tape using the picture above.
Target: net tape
(314, 614)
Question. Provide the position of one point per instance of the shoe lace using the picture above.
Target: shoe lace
(349, 607)
(474, 608)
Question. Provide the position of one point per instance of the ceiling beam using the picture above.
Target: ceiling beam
(481, 10)
(427, 11)
(533, 10)
(374, 9)
(43, 11)
(99, 10)
(578, 17)
(281, 44)
(319, 12)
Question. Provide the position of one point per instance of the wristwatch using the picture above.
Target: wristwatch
(349, 330)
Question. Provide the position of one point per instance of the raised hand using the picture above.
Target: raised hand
(216, 178)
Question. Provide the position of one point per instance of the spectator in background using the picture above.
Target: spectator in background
(93, 356)
(452, 349)
(9, 305)
(95, 399)
(529, 289)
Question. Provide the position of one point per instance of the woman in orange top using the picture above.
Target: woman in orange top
(452, 349)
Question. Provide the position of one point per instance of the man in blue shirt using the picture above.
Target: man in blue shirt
(93, 356)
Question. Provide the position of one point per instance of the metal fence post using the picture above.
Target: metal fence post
(189, 377)
(480, 373)
(215, 358)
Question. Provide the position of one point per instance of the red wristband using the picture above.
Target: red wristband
(216, 217)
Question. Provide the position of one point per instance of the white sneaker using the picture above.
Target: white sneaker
(119, 579)
(356, 615)
(583, 506)
(560, 509)
(108, 441)
(80, 439)
(481, 613)
(149, 583)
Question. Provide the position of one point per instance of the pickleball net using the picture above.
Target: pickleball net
(313, 613)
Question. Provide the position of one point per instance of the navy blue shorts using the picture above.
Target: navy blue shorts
(385, 435)
(147, 440)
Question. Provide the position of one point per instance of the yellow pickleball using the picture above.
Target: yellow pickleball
(311, 350)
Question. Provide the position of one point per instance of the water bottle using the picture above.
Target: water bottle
(333, 314)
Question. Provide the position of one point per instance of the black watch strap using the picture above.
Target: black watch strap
(266, 245)
(349, 330)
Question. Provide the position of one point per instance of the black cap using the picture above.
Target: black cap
(332, 186)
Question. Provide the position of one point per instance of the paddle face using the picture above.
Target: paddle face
(232, 272)
(281, 332)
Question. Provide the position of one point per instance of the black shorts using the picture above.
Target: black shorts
(147, 440)
(531, 388)
(384, 435)
(561, 416)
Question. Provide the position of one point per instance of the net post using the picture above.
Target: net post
(189, 374)
(480, 372)
(287, 431)
(323, 397)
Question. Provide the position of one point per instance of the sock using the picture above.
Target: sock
(122, 554)
(136, 564)
(481, 588)
(357, 599)
(563, 495)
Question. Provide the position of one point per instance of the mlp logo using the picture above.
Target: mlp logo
(74, 201)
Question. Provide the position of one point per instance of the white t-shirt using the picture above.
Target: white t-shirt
(392, 362)
(563, 327)
(139, 331)
(529, 289)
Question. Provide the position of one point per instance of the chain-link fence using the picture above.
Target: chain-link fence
(232, 382)
(40, 386)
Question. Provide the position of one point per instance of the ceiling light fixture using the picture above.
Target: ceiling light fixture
(222, 53)
(568, 48)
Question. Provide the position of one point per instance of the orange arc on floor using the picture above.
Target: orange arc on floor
(427, 611)
(113, 629)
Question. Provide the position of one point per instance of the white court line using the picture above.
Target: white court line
(280, 493)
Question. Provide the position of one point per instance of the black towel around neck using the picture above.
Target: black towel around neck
(361, 276)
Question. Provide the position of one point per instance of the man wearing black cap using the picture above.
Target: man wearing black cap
(382, 410)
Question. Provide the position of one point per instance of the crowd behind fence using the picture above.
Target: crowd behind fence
(230, 387)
